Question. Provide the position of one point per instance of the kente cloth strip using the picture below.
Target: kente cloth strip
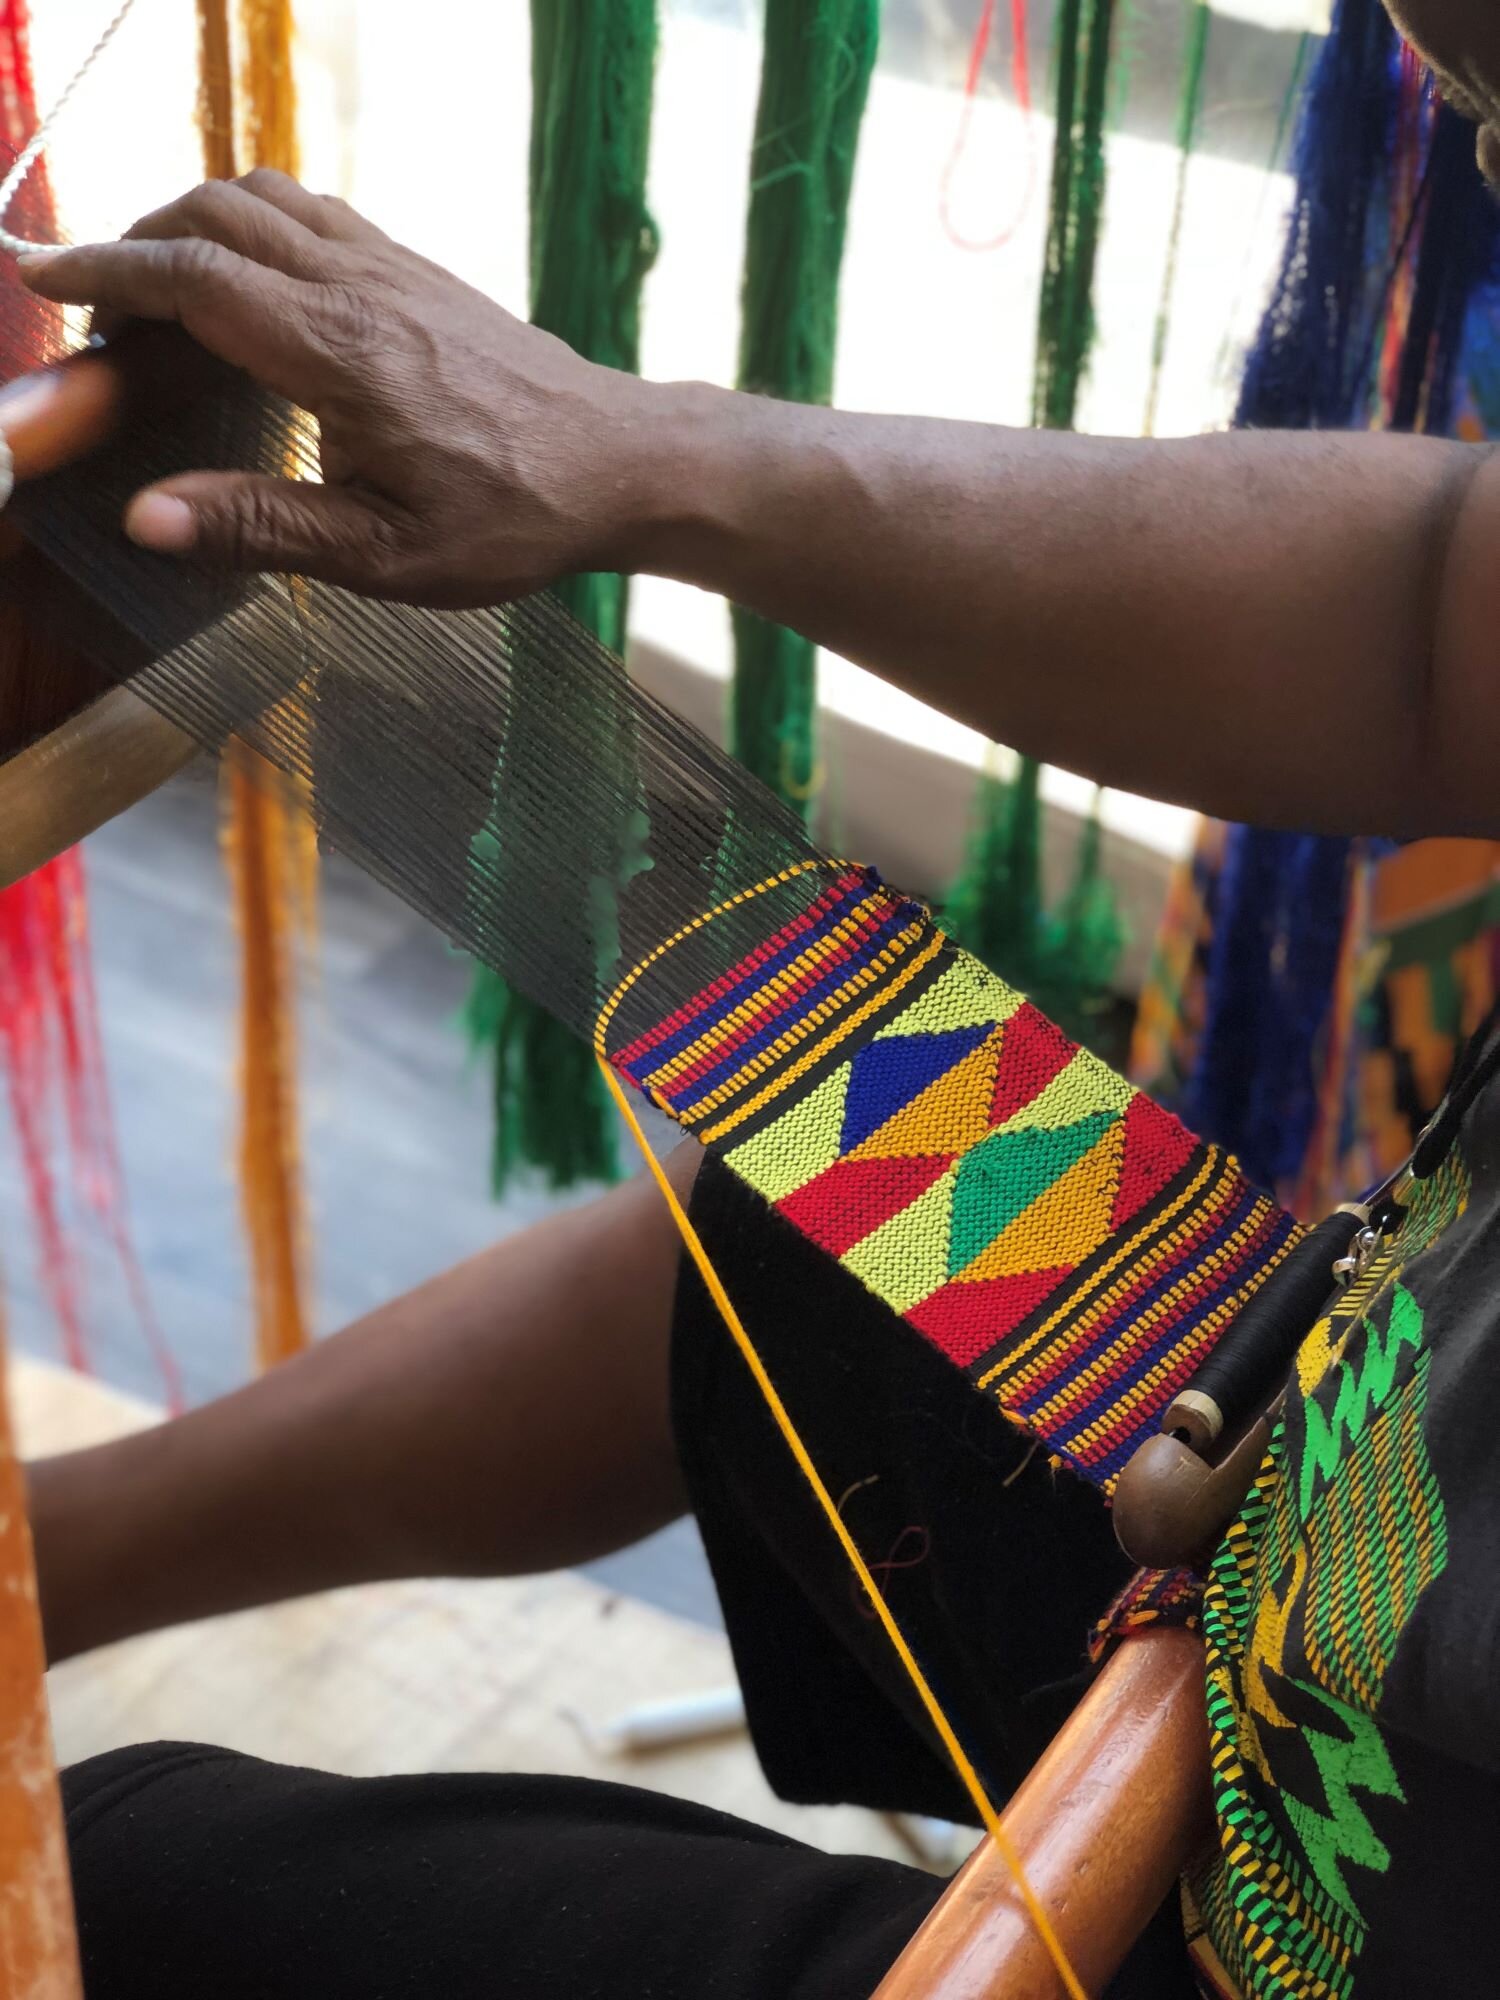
(1045, 1226)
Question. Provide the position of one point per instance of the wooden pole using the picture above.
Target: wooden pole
(38, 1950)
(1104, 1826)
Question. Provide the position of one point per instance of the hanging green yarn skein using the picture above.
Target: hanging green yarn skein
(995, 907)
(1189, 118)
(1081, 943)
(1065, 317)
(592, 242)
(815, 79)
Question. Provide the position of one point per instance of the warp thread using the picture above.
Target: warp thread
(592, 241)
(1065, 317)
(815, 79)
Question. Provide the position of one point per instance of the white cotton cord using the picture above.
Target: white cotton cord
(7, 472)
(10, 187)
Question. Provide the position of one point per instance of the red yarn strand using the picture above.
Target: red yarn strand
(1020, 75)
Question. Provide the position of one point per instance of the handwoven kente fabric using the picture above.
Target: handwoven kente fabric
(1048, 1228)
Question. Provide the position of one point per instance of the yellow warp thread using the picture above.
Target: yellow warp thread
(970, 1778)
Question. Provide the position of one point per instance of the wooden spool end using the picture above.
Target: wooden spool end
(1104, 1825)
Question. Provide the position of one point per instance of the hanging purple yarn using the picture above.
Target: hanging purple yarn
(1457, 268)
(1310, 366)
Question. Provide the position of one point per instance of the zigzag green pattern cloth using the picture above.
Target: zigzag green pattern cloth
(1319, 1670)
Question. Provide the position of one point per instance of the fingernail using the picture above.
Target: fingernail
(33, 260)
(162, 522)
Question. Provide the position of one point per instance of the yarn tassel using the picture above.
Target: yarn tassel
(1253, 1010)
(270, 844)
(995, 906)
(27, 1019)
(996, 903)
(1327, 1158)
(216, 91)
(592, 243)
(268, 89)
(258, 837)
(815, 80)
(1169, 1013)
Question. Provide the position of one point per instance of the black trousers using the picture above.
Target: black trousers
(204, 1875)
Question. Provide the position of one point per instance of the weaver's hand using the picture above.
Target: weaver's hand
(467, 457)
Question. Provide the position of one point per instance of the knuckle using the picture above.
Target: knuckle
(267, 183)
(210, 205)
(344, 217)
(248, 530)
(383, 541)
(194, 261)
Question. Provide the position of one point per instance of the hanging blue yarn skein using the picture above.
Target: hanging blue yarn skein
(1281, 899)
(1273, 960)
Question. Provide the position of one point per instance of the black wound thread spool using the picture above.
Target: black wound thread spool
(1184, 1486)
(1244, 1373)
(1247, 1368)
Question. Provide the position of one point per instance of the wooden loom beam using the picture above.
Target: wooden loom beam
(1106, 1822)
(106, 755)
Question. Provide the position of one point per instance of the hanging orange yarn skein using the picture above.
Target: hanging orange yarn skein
(270, 845)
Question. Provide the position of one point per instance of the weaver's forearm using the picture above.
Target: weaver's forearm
(1243, 623)
(509, 1416)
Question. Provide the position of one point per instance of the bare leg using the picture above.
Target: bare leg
(509, 1416)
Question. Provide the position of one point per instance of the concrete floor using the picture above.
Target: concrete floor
(520, 1675)
(396, 1127)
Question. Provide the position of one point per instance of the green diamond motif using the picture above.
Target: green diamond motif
(1004, 1175)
